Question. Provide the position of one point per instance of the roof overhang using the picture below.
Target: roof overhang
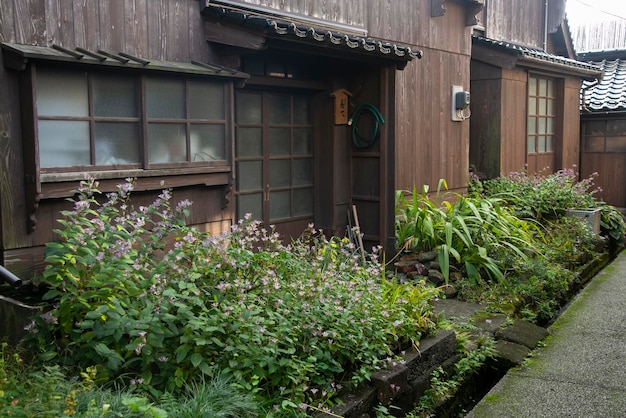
(17, 56)
(253, 27)
(508, 55)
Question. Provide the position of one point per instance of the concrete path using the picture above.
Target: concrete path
(581, 370)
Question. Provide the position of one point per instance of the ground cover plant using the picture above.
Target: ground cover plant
(509, 238)
(155, 306)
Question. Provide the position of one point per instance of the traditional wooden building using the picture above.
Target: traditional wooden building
(291, 110)
(525, 87)
(603, 126)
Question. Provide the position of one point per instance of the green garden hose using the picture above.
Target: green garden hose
(359, 141)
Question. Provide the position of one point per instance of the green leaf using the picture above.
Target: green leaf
(196, 359)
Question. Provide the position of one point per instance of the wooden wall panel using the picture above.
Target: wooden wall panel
(429, 145)
(570, 154)
(514, 102)
(611, 169)
(516, 21)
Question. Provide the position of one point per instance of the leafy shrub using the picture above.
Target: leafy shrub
(476, 233)
(290, 324)
(541, 196)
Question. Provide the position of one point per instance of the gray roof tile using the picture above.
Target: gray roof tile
(610, 94)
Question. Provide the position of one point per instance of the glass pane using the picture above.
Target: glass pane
(206, 100)
(551, 107)
(279, 108)
(280, 141)
(117, 143)
(62, 94)
(616, 144)
(207, 142)
(550, 126)
(532, 106)
(115, 97)
(250, 175)
(550, 144)
(302, 141)
(280, 205)
(301, 111)
(542, 125)
(550, 91)
(249, 108)
(543, 87)
(167, 143)
(63, 143)
(303, 172)
(532, 125)
(250, 203)
(541, 144)
(542, 107)
(530, 147)
(249, 142)
(595, 128)
(165, 99)
(302, 202)
(280, 173)
(616, 127)
(594, 144)
(532, 86)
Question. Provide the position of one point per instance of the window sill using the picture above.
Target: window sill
(60, 185)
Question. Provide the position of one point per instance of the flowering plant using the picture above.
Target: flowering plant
(292, 324)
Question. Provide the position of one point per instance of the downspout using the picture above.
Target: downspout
(545, 27)
(9, 277)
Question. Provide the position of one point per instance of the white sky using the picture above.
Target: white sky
(580, 12)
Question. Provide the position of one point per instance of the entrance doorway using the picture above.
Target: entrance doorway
(274, 159)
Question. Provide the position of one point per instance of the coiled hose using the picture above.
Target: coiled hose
(357, 138)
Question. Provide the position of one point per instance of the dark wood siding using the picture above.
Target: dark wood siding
(516, 21)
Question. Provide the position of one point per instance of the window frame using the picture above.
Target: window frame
(551, 96)
(58, 182)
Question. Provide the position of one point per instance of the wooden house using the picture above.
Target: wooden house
(603, 126)
(525, 84)
(292, 110)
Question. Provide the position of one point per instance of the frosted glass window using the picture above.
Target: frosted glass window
(551, 107)
(531, 145)
(532, 106)
(63, 143)
(252, 204)
(280, 173)
(249, 108)
(532, 86)
(542, 125)
(302, 202)
(594, 143)
(543, 87)
(207, 142)
(165, 99)
(616, 144)
(280, 141)
(301, 111)
(206, 101)
(541, 144)
(280, 205)
(549, 144)
(616, 127)
(302, 172)
(167, 143)
(249, 142)
(550, 126)
(62, 94)
(250, 175)
(279, 109)
(542, 107)
(115, 97)
(302, 141)
(117, 143)
(532, 125)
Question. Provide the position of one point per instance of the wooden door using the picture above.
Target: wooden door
(274, 159)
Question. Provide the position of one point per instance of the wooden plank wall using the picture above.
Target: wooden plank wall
(155, 29)
(514, 99)
(516, 21)
(611, 169)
